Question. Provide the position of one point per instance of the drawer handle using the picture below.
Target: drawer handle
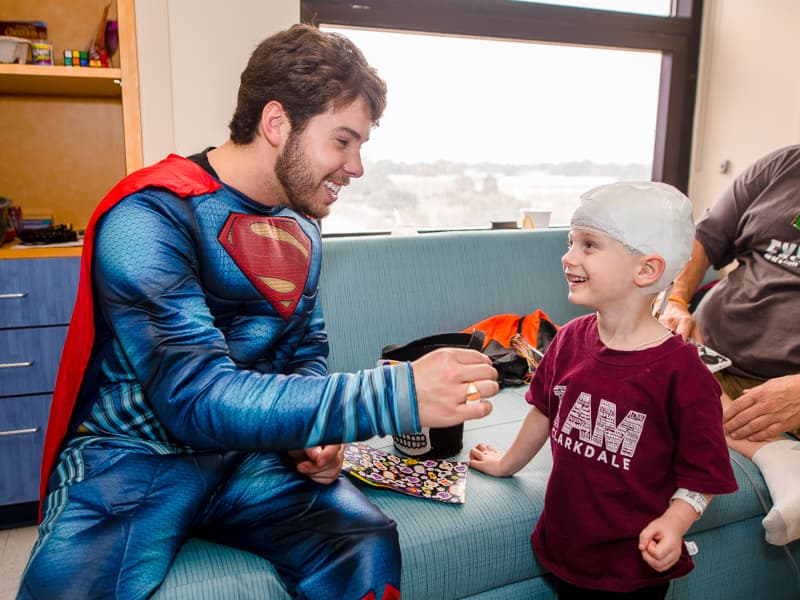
(27, 431)
(16, 365)
(13, 296)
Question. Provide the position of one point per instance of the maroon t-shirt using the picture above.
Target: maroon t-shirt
(628, 429)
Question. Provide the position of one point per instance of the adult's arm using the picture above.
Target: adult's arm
(676, 314)
(149, 290)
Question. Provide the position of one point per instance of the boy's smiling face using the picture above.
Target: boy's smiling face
(599, 269)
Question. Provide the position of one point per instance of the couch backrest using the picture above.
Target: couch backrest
(386, 290)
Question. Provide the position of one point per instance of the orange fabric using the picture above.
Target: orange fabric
(502, 328)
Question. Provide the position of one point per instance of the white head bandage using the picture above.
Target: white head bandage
(649, 217)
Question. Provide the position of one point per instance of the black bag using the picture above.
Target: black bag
(516, 344)
(432, 442)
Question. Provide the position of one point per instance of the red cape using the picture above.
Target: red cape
(182, 177)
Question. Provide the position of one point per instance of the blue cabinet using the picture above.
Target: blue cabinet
(23, 421)
(36, 300)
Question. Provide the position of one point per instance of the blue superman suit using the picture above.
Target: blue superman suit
(205, 363)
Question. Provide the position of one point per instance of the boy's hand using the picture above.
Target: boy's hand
(487, 459)
(661, 542)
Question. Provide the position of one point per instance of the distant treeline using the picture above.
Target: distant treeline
(573, 168)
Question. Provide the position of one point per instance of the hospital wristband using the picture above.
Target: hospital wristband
(694, 499)
(680, 301)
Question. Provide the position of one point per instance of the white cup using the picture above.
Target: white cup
(534, 218)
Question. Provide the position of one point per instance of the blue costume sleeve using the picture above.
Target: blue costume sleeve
(176, 306)
(309, 357)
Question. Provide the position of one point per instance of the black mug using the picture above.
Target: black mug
(431, 442)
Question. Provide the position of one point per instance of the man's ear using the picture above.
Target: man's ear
(274, 125)
(651, 267)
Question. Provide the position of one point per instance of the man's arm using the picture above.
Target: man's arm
(311, 355)
(152, 297)
(676, 314)
(441, 380)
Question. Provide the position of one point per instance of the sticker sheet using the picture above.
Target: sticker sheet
(439, 480)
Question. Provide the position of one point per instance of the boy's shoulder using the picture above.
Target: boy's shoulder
(576, 328)
(581, 323)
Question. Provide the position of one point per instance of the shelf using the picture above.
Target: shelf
(41, 80)
(8, 251)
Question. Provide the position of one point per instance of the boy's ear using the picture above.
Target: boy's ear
(274, 125)
(651, 267)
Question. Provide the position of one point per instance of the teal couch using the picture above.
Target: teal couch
(383, 290)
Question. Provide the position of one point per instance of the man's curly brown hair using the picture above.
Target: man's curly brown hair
(308, 71)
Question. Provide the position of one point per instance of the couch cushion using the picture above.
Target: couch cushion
(386, 290)
(207, 571)
(456, 551)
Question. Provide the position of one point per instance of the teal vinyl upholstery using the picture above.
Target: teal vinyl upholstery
(384, 290)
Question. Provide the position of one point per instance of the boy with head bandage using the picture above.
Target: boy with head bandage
(632, 413)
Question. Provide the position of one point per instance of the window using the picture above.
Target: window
(661, 8)
(512, 105)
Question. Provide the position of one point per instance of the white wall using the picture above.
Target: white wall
(748, 99)
(191, 54)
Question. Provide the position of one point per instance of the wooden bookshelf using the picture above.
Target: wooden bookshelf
(35, 80)
(69, 133)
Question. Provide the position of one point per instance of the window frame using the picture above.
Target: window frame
(677, 37)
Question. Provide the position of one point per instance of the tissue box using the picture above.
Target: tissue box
(13, 49)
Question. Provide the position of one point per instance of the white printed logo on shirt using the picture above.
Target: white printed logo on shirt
(607, 441)
(786, 254)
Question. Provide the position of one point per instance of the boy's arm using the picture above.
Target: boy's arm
(661, 541)
(530, 439)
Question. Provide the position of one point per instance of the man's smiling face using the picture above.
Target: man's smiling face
(317, 162)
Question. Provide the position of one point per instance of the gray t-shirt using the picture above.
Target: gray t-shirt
(753, 316)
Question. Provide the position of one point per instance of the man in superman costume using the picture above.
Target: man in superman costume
(193, 398)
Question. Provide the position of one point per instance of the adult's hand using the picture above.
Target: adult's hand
(442, 380)
(764, 411)
(320, 463)
(676, 314)
(678, 318)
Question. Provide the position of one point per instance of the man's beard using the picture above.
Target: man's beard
(295, 175)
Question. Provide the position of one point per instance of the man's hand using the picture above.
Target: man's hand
(320, 463)
(442, 379)
(678, 318)
(764, 411)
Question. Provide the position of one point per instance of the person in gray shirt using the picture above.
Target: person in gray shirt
(751, 317)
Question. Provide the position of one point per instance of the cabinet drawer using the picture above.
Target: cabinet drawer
(38, 291)
(29, 359)
(23, 422)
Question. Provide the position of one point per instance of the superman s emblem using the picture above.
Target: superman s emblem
(274, 253)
